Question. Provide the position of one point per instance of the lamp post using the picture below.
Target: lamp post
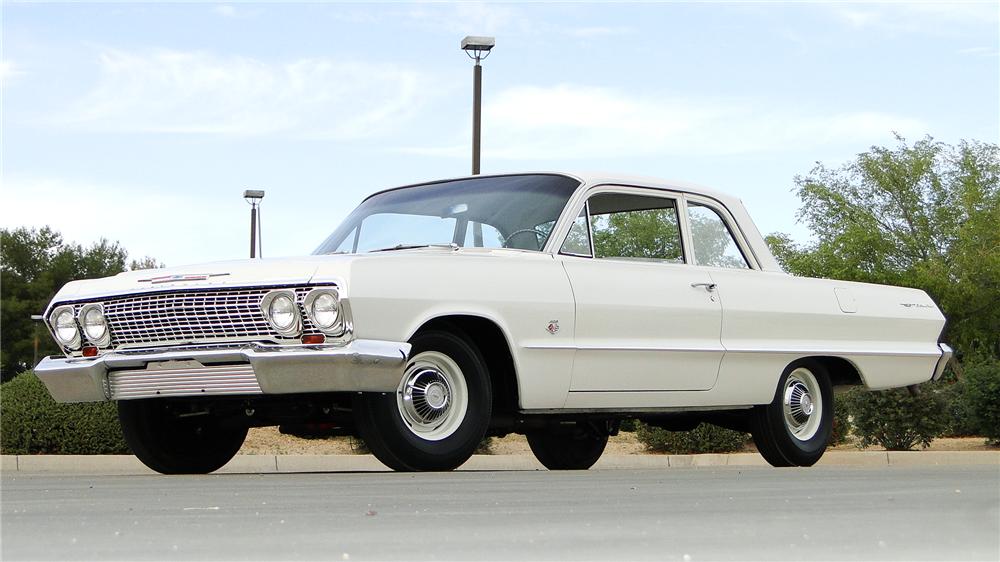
(253, 197)
(34, 331)
(478, 48)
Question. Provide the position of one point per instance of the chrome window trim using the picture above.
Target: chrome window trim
(731, 225)
(589, 192)
(590, 235)
(583, 193)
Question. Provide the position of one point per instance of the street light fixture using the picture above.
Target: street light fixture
(478, 48)
(253, 197)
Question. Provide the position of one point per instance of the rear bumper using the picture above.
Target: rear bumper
(360, 366)
(946, 353)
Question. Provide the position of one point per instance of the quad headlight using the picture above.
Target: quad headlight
(95, 325)
(324, 310)
(281, 312)
(64, 328)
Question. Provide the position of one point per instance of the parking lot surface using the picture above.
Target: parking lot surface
(740, 513)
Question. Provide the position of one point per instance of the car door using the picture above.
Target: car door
(645, 320)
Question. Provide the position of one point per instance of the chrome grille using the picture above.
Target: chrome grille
(194, 316)
(201, 381)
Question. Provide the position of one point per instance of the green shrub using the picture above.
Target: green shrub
(841, 422)
(31, 422)
(706, 438)
(896, 419)
(629, 425)
(982, 398)
(961, 422)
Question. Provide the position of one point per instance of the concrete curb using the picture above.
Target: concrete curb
(271, 464)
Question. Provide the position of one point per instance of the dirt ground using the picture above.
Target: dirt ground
(268, 441)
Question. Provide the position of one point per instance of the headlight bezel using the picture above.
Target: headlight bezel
(75, 342)
(294, 329)
(338, 327)
(105, 337)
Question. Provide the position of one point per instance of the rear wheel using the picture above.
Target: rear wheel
(576, 448)
(171, 444)
(440, 412)
(794, 429)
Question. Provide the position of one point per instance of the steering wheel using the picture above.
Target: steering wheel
(522, 231)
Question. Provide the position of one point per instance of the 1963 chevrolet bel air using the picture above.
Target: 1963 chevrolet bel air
(553, 305)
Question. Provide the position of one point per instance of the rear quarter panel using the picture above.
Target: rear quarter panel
(770, 319)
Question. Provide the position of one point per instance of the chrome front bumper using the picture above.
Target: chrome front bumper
(360, 366)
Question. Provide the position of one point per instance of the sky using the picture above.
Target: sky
(143, 122)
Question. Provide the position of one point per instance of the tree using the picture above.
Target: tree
(925, 215)
(34, 264)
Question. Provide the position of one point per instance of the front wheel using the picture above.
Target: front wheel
(794, 429)
(173, 444)
(576, 448)
(440, 412)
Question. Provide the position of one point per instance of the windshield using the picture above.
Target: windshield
(491, 212)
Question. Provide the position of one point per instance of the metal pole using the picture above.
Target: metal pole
(477, 100)
(253, 230)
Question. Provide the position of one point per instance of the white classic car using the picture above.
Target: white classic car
(549, 304)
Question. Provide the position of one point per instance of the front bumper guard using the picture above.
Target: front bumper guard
(360, 366)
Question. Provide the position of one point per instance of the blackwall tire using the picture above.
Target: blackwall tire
(440, 412)
(576, 449)
(794, 429)
(172, 445)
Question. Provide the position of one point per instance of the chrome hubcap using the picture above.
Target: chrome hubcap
(432, 397)
(802, 405)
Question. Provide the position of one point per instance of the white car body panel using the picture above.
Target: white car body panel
(630, 335)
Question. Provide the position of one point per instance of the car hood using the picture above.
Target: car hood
(246, 273)
(214, 275)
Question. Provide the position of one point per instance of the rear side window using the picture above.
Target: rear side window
(711, 240)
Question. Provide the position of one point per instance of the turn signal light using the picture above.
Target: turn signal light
(313, 339)
(89, 351)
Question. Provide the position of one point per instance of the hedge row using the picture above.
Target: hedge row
(31, 422)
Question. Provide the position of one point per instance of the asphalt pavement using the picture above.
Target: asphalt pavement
(742, 513)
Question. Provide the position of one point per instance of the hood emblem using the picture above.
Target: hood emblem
(174, 278)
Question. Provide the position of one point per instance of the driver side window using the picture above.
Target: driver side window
(639, 227)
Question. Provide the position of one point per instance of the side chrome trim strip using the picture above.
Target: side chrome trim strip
(666, 410)
(782, 351)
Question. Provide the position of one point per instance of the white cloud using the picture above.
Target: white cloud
(141, 219)
(598, 31)
(467, 18)
(225, 10)
(195, 92)
(8, 70)
(917, 17)
(568, 121)
(980, 51)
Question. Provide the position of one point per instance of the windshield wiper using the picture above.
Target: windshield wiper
(451, 245)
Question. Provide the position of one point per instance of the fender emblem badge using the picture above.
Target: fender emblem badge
(553, 327)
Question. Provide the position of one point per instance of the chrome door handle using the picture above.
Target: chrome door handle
(708, 286)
